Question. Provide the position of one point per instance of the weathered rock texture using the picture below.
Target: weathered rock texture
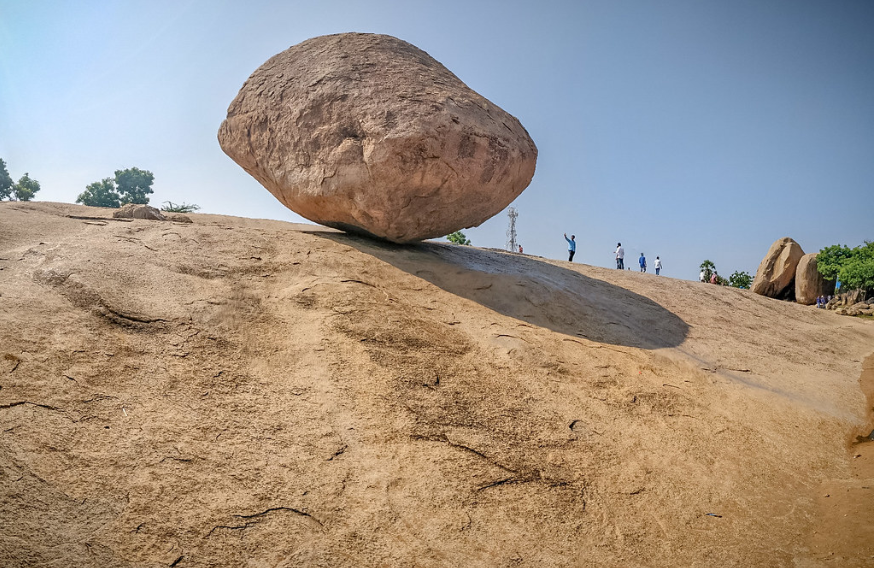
(242, 392)
(138, 211)
(776, 274)
(809, 283)
(370, 134)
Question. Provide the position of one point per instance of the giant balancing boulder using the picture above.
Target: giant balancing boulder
(370, 134)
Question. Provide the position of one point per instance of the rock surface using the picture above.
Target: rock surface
(245, 392)
(776, 274)
(138, 211)
(809, 283)
(368, 133)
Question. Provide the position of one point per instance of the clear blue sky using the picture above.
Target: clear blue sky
(685, 129)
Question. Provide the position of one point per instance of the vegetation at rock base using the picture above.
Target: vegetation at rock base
(740, 279)
(183, 207)
(853, 267)
(132, 185)
(458, 238)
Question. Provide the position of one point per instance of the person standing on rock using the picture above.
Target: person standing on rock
(701, 277)
(571, 247)
(642, 262)
(620, 256)
(658, 265)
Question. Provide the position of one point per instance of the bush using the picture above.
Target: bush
(740, 279)
(458, 238)
(171, 207)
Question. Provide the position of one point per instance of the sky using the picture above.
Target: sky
(687, 129)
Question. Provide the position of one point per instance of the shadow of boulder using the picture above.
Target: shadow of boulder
(533, 291)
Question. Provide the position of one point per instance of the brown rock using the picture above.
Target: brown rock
(853, 297)
(809, 283)
(138, 211)
(776, 274)
(179, 218)
(370, 134)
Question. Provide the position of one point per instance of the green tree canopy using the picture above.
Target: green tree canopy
(134, 185)
(709, 268)
(740, 279)
(458, 238)
(854, 267)
(100, 194)
(5, 181)
(25, 189)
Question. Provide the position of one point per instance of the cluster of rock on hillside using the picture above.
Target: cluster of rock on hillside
(787, 273)
(852, 304)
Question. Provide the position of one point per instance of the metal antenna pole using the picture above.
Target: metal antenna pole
(512, 245)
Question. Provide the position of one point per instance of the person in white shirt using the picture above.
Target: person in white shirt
(620, 256)
(658, 265)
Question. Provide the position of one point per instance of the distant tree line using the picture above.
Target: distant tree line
(22, 190)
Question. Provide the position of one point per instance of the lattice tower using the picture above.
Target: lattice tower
(512, 245)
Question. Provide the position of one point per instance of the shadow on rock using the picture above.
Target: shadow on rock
(533, 291)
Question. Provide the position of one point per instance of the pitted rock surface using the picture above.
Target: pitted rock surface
(368, 133)
(139, 211)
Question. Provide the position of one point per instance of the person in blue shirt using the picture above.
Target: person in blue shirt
(642, 262)
(571, 247)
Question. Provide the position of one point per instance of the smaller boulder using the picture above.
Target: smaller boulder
(139, 211)
(775, 277)
(179, 218)
(809, 283)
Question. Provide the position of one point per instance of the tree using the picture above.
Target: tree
(854, 267)
(740, 279)
(709, 268)
(100, 194)
(830, 260)
(458, 238)
(25, 189)
(171, 207)
(134, 185)
(5, 181)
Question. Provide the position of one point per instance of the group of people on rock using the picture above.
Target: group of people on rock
(821, 301)
(620, 260)
(620, 256)
(714, 277)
